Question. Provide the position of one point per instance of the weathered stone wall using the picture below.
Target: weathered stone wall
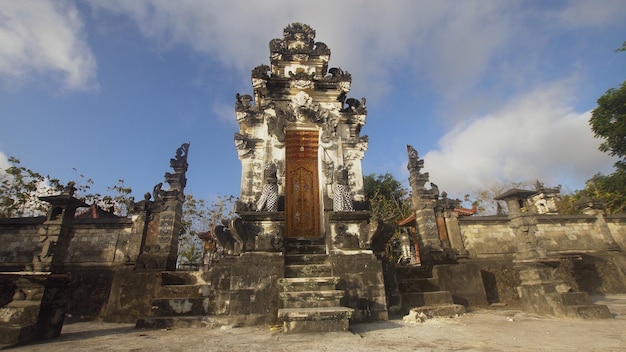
(617, 226)
(99, 248)
(487, 236)
(254, 289)
(492, 236)
(102, 241)
(464, 281)
(19, 241)
(95, 242)
(362, 279)
(569, 233)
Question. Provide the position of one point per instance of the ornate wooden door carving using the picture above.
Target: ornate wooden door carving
(302, 203)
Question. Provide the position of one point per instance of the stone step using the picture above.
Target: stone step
(308, 270)
(178, 278)
(20, 312)
(419, 299)
(323, 319)
(291, 259)
(305, 246)
(311, 299)
(442, 310)
(295, 284)
(165, 322)
(182, 306)
(15, 334)
(418, 285)
(183, 291)
(588, 311)
(573, 298)
(414, 272)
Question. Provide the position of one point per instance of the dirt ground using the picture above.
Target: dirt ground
(492, 329)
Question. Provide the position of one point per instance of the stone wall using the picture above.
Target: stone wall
(362, 280)
(492, 236)
(617, 226)
(569, 233)
(19, 241)
(487, 236)
(103, 241)
(95, 242)
(99, 248)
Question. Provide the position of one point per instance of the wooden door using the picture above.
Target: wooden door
(302, 201)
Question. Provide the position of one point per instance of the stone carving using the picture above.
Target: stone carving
(261, 72)
(299, 37)
(269, 195)
(180, 160)
(328, 128)
(415, 163)
(302, 80)
(339, 75)
(345, 239)
(243, 102)
(276, 125)
(244, 145)
(320, 49)
(276, 45)
(341, 192)
(355, 106)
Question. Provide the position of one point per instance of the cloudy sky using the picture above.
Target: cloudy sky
(486, 91)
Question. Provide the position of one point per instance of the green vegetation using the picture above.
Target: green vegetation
(389, 201)
(20, 188)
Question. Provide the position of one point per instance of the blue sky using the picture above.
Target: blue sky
(486, 91)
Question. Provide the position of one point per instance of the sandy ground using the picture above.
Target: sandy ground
(499, 329)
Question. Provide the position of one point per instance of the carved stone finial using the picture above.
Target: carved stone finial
(260, 71)
(415, 163)
(243, 102)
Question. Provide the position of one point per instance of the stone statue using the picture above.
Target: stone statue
(341, 191)
(269, 195)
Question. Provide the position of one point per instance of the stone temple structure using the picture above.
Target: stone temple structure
(303, 251)
(301, 147)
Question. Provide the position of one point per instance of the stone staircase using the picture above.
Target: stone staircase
(421, 295)
(309, 301)
(182, 300)
(579, 305)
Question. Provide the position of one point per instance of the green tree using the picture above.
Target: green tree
(20, 189)
(608, 121)
(389, 201)
(609, 188)
(388, 198)
(200, 216)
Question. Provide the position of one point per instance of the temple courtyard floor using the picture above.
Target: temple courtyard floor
(493, 329)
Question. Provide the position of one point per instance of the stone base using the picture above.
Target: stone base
(15, 334)
(418, 299)
(592, 311)
(426, 312)
(182, 306)
(210, 322)
(304, 320)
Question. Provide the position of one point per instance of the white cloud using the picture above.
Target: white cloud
(582, 13)
(44, 38)
(537, 136)
(4, 161)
